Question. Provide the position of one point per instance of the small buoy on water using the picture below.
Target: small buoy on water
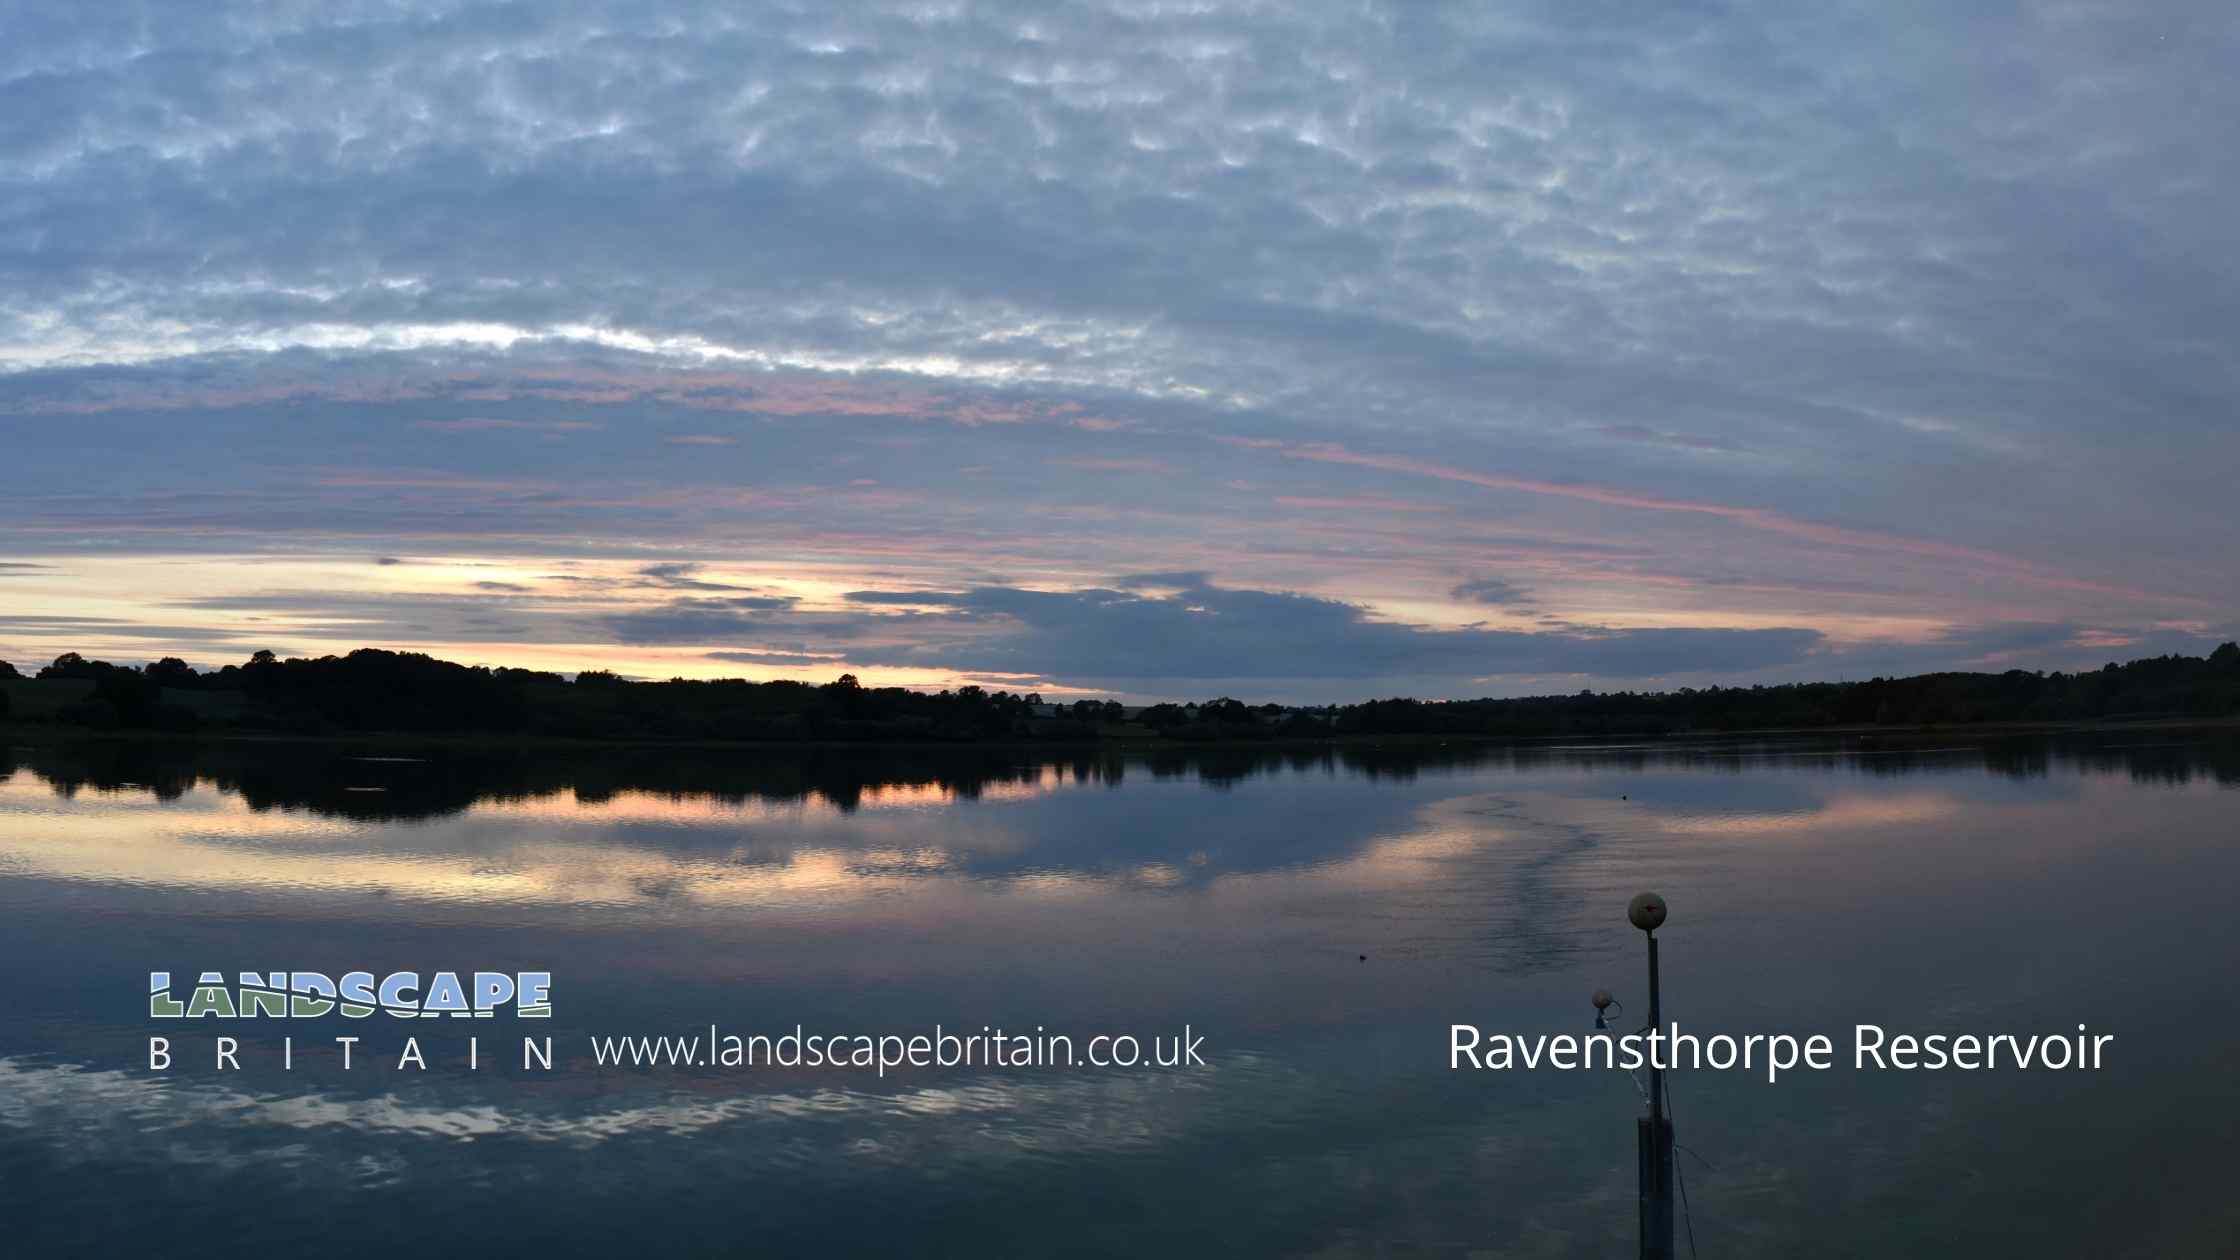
(1364, 958)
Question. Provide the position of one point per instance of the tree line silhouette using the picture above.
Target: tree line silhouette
(373, 690)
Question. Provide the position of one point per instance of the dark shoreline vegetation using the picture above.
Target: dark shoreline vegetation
(376, 692)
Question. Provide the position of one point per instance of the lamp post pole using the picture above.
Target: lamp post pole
(1647, 912)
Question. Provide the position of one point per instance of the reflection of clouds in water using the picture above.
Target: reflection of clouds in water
(530, 872)
(1415, 1153)
(86, 1114)
(1844, 811)
(671, 853)
(1528, 869)
(641, 848)
(612, 852)
(632, 847)
(665, 818)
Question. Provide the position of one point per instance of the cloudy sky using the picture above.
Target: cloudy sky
(1155, 349)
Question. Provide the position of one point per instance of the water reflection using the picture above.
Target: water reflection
(1321, 914)
(616, 828)
(392, 786)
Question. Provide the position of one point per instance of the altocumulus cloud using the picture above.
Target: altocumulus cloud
(1398, 211)
(1939, 293)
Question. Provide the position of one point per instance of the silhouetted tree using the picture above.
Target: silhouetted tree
(1161, 717)
(131, 696)
(376, 690)
(169, 672)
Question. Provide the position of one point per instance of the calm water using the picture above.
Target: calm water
(2020, 887)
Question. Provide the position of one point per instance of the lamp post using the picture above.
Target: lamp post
(1647, 912)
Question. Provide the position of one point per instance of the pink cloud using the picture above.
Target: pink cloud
(1758, 518)
(487, 424)
(1358, 503)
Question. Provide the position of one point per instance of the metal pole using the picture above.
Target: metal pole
(1656, 1141)
(1647, 912)
(1656, 1024)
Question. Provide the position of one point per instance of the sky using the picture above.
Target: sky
(1154, 350)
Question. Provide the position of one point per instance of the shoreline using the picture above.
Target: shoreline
(22, 734)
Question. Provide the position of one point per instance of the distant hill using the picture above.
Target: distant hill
(373, 690)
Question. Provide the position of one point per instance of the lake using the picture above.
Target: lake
(1319, 917)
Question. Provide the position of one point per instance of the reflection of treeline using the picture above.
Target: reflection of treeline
(373, 690)
(382, 785)
(339, 782)
(379, 784)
